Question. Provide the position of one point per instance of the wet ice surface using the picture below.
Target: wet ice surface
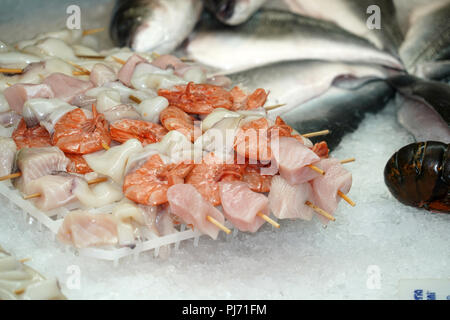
(302, 260)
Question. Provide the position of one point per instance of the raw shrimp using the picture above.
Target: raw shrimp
(243, 102)
(33, 137)
(77, 164)
(145, 132)
(256, 182)
(257, 99)
(173, 118)
(148, 185)
(198, 98)
(205, 177)
(75, 133)
(204, 98)
(252, 140)
(321, 149)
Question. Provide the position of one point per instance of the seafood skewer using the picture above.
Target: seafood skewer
(94, 181)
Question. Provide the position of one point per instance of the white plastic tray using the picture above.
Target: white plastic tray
(54, 219)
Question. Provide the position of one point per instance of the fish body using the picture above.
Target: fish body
(154, 25)
(233, 12)
(353, 16)
(424, 107)
(296, 82)
(338, 110)
(428, 38)
(273, 36)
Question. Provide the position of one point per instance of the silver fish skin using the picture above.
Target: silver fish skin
(421, 120)
(428, 38)
(433, 93)
(294, 83)
(273, 36)
(424, 107)
(351, 15)
(234, 12)
(339, 110)
(154, 25)
(436, 70)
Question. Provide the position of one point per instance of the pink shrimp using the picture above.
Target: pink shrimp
(149, 184)
(145, 132)
(75, 133)
(34, 137)
(173, 118)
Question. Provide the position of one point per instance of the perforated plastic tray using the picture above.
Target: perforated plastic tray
(52, 221)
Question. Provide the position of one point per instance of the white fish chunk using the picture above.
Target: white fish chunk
(187, 203)
(242, 205)
(8, 150)
(288, 201)
(292, 158)
(34, 163)
(326, 187)
(82, 229)
(56, 191)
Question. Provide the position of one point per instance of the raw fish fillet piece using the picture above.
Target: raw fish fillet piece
(326, 187)
(292, 157)
(127, 70)
(188, 204)
(37, 162)
(82, 229)
(19, 93)
(288, 201)
(241, 205)
(56, 191)
(101, 74)
(65, 87)
(7, 154)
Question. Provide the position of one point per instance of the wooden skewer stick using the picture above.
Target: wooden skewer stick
(320, 211)
(7, 70)
(94, 181)
(19, 292)
(274, 106)
(316, 134)
(218, 224)
(92, 31)
(11, 176)
(77, 66)
(118, 60)
(80, 73)
(348, 160)
(268, 219)
(105, 146)
(186, 59)
(90, 57)
(347, 199)
(318, 170)
(24, 260)
(135, 99)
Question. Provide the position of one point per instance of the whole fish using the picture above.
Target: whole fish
(435, 70)
(339, 110)
(233, 12)
(353, 15)
(424, 107)
(428, 39)
(154, 25)
(294, 83)
(273, 36)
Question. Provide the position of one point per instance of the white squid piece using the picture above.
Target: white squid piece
(112, 162)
